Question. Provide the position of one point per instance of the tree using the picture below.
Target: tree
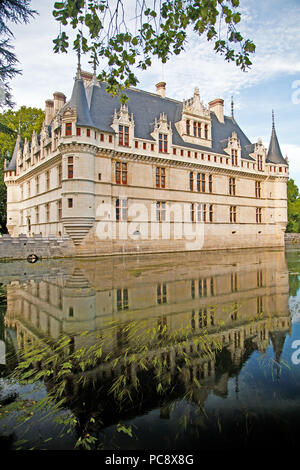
(293, 207)
(11, 11)
(159, 29)
(25, 120)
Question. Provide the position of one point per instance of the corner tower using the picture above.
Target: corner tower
(78, 147)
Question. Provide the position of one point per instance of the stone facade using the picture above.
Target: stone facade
(149, 176)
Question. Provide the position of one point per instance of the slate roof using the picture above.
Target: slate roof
(146, 107)
(274, 154)
(12, 164)
(79, 100)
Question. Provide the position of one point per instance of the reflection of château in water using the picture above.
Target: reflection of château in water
(240, 298)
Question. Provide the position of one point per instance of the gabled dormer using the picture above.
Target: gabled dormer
(259, 155)
(162, 133)
(195, 124)
(234, 149)
(123, 125)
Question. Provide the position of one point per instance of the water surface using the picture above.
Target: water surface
(186, 351)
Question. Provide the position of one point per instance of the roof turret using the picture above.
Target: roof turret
(274, 153)
(12, 164)
(79, 100)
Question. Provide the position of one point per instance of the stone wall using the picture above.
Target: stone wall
(44, 247)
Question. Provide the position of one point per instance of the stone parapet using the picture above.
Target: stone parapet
(44, 247)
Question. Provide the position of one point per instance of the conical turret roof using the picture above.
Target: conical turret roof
(12, 164)
(274, 153)
(79, 101)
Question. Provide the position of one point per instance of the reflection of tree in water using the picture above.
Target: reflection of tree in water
(294, 282)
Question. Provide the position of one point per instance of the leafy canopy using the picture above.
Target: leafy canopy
(26, 120)
(11, 11)
(105, 29)
(293, 207)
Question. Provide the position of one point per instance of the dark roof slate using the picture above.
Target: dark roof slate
(12, 164)
(274, 153)
(146, 107)
(79, 101)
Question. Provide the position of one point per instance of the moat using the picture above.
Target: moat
(190, 351)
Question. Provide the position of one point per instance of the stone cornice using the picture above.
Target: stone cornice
(190, 165)
(77, 147)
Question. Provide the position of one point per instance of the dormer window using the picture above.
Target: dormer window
(234, 157)
(188, 127)
(124, 136)
(163, 143)
(206, 131)
(68, 128)
(260, 162)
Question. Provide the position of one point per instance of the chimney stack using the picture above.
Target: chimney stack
(217, 106)
(59, 100)
(49, 108)
(161, 89)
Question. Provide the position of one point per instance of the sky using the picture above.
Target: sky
(273, 82)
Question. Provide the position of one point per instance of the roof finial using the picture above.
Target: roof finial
(273, 120)
(78, 74)
(232, 107)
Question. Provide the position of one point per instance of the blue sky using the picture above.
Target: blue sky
(273, 82)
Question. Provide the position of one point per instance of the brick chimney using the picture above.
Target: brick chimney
(217, 106)
(161, 89)
(59, 100)
(49, 111)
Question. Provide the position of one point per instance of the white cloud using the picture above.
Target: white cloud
(293, 154)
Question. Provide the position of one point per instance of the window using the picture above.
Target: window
(47, 212)
(191, 181)
(198, 130)
(144, 146)
(59, 174)
(37, 185)
(122, 299)
(110, 139)
(206, 131)
(257, 189)
(47, 180)
(260, 162)
(232, 213)
(78, 131)
(160, 211)
(160, 177)
(121, 209)
(232, 186)
(101, 137)
(161, 293)
(259, 278)
(136, 144)
(70, 203)
(210, 183)
(211, 213)
(37, 215)
(124, 136)
(192, 212)
(258, 215)
(70, 167)
(68, 128)
(203, 182)
(163, 143)
(121, 173)
(59, 209)
(201, 212)
(188, 127)
(88, 132)
(234, 157)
